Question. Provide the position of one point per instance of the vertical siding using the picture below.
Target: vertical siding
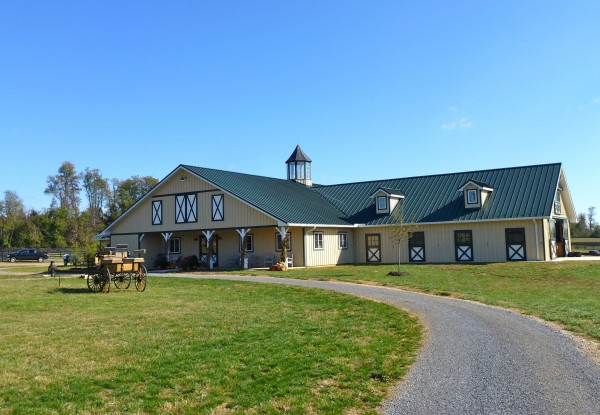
(236, 213)
(131, 240)
(331, 254)
(489, 242)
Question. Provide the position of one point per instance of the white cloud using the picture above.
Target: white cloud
(596, 101)
(460, 124)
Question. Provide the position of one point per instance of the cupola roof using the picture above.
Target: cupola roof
(298, 155)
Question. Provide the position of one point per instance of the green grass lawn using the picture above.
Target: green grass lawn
(28, 269)
(190, 346)
(566, 292)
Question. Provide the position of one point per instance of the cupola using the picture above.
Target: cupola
(298, 167)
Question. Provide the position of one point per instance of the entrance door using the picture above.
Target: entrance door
(416, 247)
(560, 238)
(515, 244)
(373, 247)
(463, 244)
(204, 251)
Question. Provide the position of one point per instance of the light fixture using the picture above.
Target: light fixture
(183, 178)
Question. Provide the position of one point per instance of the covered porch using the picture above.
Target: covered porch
(221, 248)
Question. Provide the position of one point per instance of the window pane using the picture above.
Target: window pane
(417, 239)
(472, 196)
(343, 240)
(463, 237)
(382, 202)
(318, 240)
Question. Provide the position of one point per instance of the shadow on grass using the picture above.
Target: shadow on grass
(65, 290)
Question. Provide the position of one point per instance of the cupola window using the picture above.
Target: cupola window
(298, 167)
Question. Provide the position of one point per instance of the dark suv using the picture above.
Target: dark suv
(27, 254)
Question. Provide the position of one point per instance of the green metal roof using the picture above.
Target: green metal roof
(519, 192)
(285, 200)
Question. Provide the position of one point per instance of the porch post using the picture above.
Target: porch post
(166, 236)
(208, 235)
(283, 231)
(243, 232)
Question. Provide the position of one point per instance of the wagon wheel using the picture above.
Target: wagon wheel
(105, 278)
(141, 278)
(122, 280)
(94, 282)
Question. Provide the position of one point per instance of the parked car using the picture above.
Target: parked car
(595, 252)
(28, 254)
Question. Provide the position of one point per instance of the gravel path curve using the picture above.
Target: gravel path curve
(479, 359)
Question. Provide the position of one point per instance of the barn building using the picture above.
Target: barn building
(507, 214)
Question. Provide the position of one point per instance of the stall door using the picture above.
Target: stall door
(373, 247)
(463, 245)
(515, 244)
(416, 247)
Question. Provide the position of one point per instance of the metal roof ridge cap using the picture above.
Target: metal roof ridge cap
(440, 174)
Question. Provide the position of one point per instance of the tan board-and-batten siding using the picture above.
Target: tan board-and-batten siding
(236, 214)
(489, 241)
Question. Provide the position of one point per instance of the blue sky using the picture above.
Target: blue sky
(370, 90)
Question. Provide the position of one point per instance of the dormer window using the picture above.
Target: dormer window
(472, 197)
(386, 200)
(475, 194)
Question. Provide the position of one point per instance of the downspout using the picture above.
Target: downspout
(537, 241)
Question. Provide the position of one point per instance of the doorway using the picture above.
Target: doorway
(204, 251)
(373, 243)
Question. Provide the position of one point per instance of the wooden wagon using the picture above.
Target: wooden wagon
(114, 264)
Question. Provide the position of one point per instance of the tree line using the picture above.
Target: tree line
(586, 226)
(64, 224)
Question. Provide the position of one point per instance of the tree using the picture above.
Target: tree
(126, 192)
(97, 192)
(64, 187)
(401, 230)
(590, 218)
(12, 213)
(579, 229)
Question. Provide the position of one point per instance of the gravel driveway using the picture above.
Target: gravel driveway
(479, 359)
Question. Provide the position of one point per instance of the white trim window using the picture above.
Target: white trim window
(381, 202)
(278, 241)
(472, 198)
(186, 208)
(157, 212)
(175, 246)
(343, 240)
(557, 204)
(318, 240)
(218, 210)
(249, 243)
